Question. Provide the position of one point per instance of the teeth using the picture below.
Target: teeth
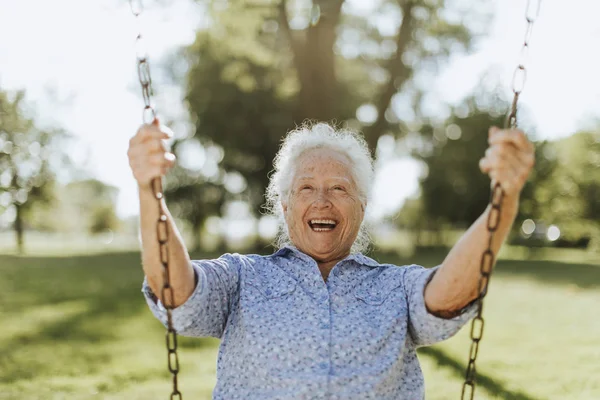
(322, 225)
(322, 221)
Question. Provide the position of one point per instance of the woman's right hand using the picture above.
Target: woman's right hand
(149, 156)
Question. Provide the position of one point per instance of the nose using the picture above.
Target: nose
(321, 200)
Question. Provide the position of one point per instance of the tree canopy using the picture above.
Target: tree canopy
(27, 156)
(260, 68)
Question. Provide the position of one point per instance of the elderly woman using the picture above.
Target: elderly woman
(318, 319)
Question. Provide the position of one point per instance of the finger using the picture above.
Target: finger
(170, 158)
(151, 131)
(513, 136)
(505, 154)
(526, 157)
(488, 165)
(484, 165)
(497, 161)
(511, 175)
(162, 159)
(141, 151)
(492, 131)
(140, 160)
(154, 146)
(144, 172)
(508, 153)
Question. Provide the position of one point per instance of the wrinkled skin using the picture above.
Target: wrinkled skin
(323, 188)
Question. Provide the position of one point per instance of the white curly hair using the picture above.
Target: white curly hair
(316, 136)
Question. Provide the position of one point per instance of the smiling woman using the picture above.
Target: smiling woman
(323, 210)
(329, 168)
(318, 319)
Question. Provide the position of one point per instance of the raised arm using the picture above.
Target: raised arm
(149, 158)
(508, 160)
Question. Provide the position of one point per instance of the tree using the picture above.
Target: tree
(570, 198)
(194, 199)
(454, 191)
(93, 203)
(263, 66)
(27, 153)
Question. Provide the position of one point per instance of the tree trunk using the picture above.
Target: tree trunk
(197, 236)
(314, 60)
(398, 74)
(18, 227)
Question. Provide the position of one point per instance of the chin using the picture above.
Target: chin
(322, 252)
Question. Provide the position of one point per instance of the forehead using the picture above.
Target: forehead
(322, 163)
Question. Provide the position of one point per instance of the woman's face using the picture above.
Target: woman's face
(323, 210)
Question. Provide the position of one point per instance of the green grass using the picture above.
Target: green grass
(76, 327)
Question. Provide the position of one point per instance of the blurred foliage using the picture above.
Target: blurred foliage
(570, 198)
(563, 189)
(193, 199)
(28, 157)
(260, 68)
(30, 196)
(83, 206)
(454, 190)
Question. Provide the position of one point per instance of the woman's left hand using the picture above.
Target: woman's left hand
(508, 160)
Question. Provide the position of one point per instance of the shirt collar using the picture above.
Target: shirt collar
(356, 257)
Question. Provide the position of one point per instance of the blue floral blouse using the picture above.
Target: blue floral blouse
(288, 334)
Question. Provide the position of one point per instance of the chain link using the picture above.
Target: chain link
(488, 257)
(532, 11)
(162, 228)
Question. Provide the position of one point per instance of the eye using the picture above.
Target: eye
(338, 187)
(305, 187)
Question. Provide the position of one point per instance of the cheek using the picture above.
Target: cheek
(360, 213)
(357, 220)
(355, 212)
(293, 214)
(289, 219)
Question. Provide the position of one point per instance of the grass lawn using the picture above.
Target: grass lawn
(76, 327)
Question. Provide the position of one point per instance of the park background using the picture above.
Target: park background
(422, 79)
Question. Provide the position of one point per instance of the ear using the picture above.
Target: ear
(284, 206)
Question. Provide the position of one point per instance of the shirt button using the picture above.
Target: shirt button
(324, 325)
(323, 366)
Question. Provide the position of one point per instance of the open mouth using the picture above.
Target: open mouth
(322, 225)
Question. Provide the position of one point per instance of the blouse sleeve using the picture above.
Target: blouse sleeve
(424, 327)
(206, 311)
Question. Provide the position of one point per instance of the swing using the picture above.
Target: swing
(488, 257)
(162, 230)
(532, 11)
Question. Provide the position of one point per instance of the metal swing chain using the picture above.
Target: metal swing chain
(488, 258)
(162, 229)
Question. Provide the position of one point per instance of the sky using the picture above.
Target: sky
(76, 59)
